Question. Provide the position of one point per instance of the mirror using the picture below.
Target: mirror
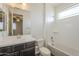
(2, 21)
(19, 22)
(14, 21)
(15, 24)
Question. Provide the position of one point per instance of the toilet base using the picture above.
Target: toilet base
(45, 51)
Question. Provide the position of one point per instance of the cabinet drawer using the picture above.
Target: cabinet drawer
(14, 54)
(28, 52)
(18, 47)
(6, 49)
(29, 44)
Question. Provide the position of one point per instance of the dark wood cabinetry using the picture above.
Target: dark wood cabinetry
(28, 52)
(24, 49)
(18, 47)
(7, 49)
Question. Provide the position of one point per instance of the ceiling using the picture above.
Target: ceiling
(23, 6)
(26, 6)
(61, 4)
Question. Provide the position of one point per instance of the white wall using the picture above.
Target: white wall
(67, 37)
(63, 6)
(36, 13)
(27, 23)
(49, 22)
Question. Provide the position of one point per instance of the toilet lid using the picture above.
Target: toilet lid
(44, 50)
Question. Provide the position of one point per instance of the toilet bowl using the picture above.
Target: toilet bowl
(44, 51)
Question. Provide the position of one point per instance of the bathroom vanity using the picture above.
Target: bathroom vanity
(18, 47)
(23, 49)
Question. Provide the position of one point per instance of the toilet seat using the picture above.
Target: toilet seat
(45, 51)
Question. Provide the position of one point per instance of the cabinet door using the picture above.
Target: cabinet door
(6, 49)
(4, 54)
(28, 52)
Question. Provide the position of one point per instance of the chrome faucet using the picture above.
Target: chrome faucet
(18, 37)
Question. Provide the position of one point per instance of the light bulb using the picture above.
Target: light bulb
(18, 20)
(24, 4)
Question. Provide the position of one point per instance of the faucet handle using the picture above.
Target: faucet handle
(52, 39)
(18, 37)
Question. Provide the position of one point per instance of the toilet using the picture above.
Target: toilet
(43, 50)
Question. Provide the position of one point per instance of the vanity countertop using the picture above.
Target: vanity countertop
(13, 40)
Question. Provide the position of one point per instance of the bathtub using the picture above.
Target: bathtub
(57, 52)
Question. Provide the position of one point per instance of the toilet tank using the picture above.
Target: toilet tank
(40, 42)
